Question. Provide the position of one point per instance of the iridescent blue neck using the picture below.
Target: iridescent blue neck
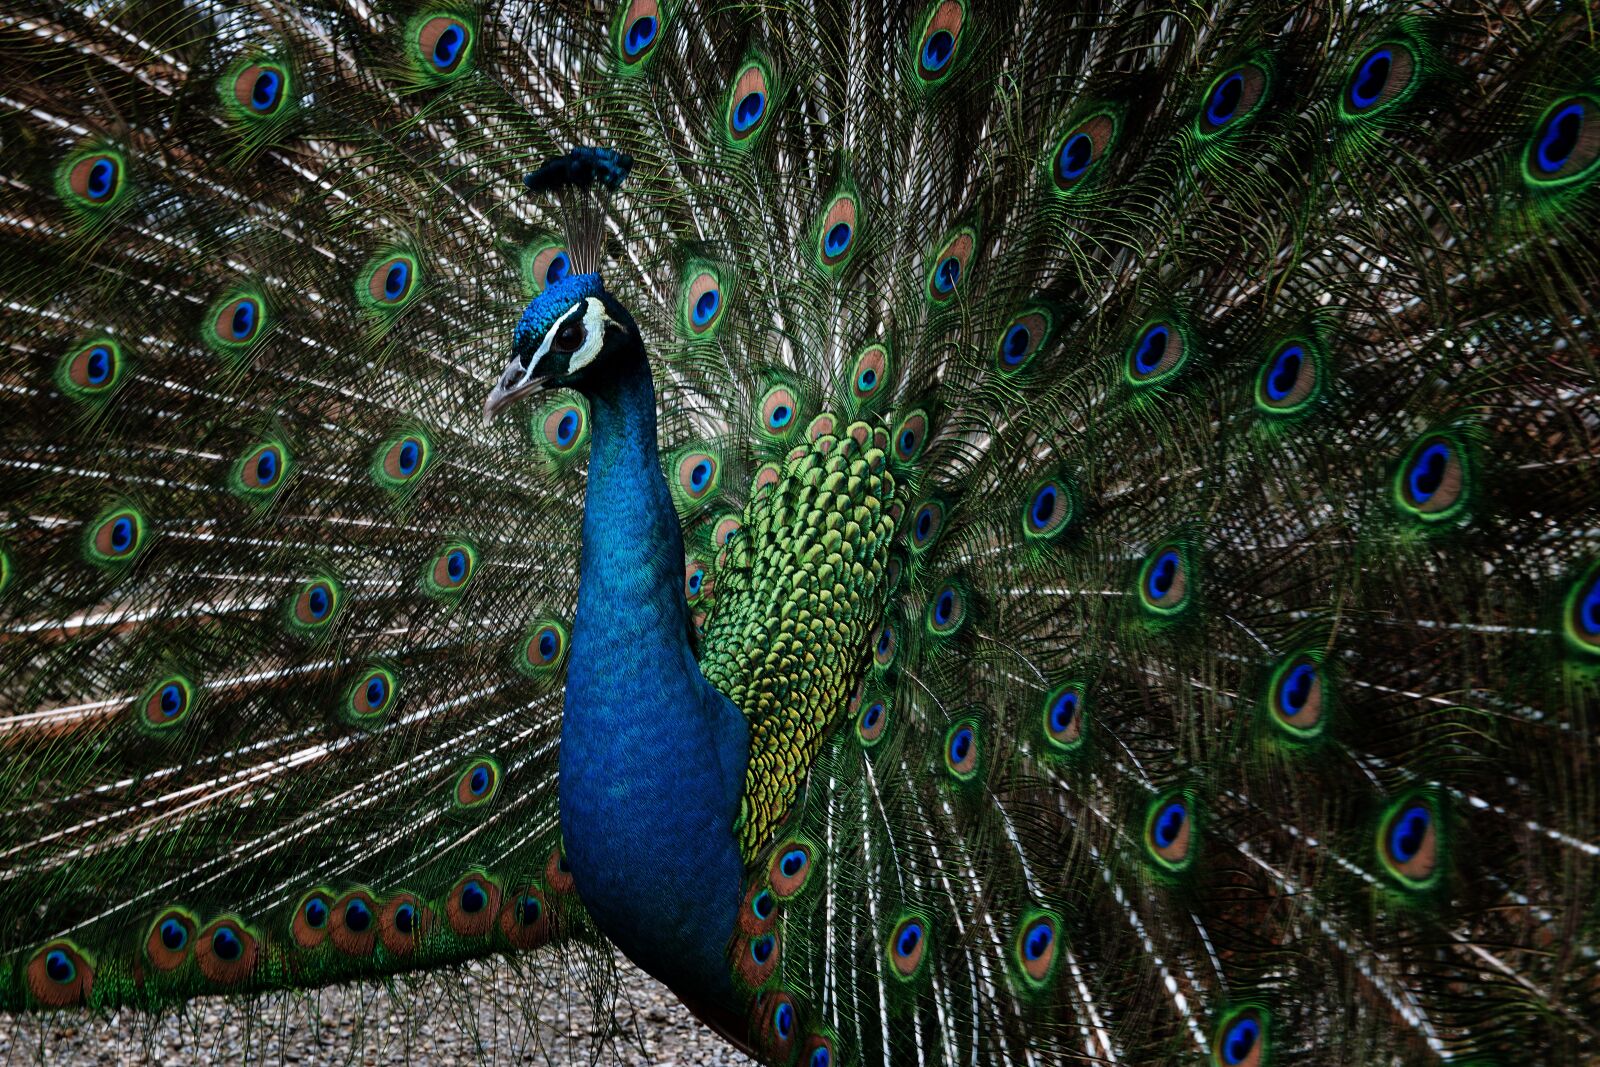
(652, 758)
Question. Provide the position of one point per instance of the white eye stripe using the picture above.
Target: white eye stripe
(595, 321)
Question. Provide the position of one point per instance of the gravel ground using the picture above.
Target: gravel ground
(489, 1013)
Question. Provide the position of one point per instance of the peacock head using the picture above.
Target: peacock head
(572, 335)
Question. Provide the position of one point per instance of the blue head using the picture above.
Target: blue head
(574, 334)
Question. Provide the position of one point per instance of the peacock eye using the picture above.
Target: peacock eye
(569, 337)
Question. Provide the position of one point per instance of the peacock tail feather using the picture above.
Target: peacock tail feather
(1136, 466)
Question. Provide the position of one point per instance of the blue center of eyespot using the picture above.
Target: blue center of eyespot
(264, 93)
(781, 416)
(1240, 1040)
(1037, 941)
(394, 283)
(885, 640)
(961, 745)
(448, 46)
(173, 935)
(1152, 346)
(1225, 99)
(1044, 507)
(122, 534)
(705, 308)
(171, 699)
(1014, 349)
(377, 691)
(640, 33)
(793, 862)
(560, 267)
(567, 428)
(750, 108)
(99, 365)
(949, 272)
(1561, 134)
(1371, 79)
(873, 715)
(316, 913)
(867, 380)
(1297, 689)
(1076, 155)
(473, 898)
(480, 781)
(1285, 372)
(1589, 609)
(243, 321)
(838, 239)
(317, 601)
(405, 918)
(357, 916)
(1427, 472)
(266, 467)
(456, 565)
(761, 949)
(226, 944)
(762, 904)
(528, 910)
(1406, 836)
(944, 607)
(820, 1057)
(59, 967)
(1163, 574)
(783, 1020)
(909, 939)
(547, 646)
(696, 580)
(700, 475)
(102, 179)
(937, 50)
(410, 455)
(924, 523)
(908, 440)
(1168, 824)
(1063, 711)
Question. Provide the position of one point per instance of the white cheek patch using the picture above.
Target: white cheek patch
(595, 321)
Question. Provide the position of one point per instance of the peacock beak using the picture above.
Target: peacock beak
(512, 386)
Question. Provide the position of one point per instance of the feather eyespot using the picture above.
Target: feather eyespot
(698, 474)
(60, 975)
(1408, 843)
(779, 412)
(1296, 697)
(402, 460)
(696, 581)
(907, 945)
(748, 103)
(353, 929)
(315, 605)
(1383, 76)
(477, 784)
(638, 30)
(116, 537)
(240, 319)
(836, 235)
(401, 920)
(261, 471)
(1233, 98)
(775, 1022)
(1167, 832)
(1565, 146)
(1583, 612)
(1035, 948)
(1431, 483)
(390, 282)
(166, 945)
(544, 648)
(1063, 717)
(1289, 380)
(1241, 1039)
(1050, 509)
(946, 611)
(1021, 340)
(94, 180)
(1157, 353)
(950, 265)
(167, 703)
(545, 264)
(260, 89)
(872, 721)
(91, 370)
(472, 905)
(883, 645)
(702, 302)
(444, 45)
(870, 374)
(308, 927)
(525, 921)
(925, 526)
(941, 36)
(818, 1052)
(1165, 581)
(790, 869)
(1081, 151)
(910, 436)
(371, 696)
(563, 427)
(226, 952)
(961, 751)
(451, 569)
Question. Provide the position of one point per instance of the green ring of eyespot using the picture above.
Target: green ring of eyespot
(82, 202)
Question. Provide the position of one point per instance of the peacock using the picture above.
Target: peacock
(948, 532)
